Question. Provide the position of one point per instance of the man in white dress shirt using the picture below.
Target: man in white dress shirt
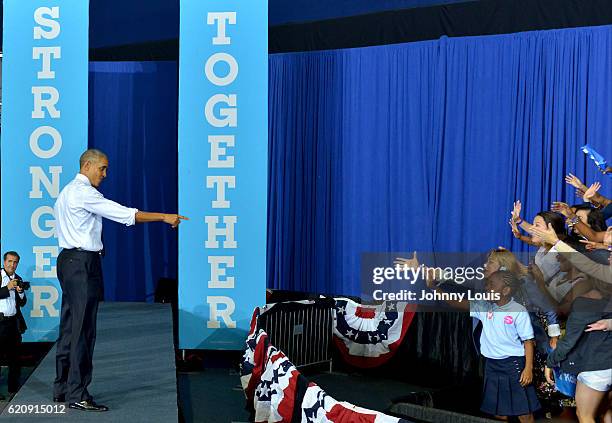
(12, 298)
(79, 210)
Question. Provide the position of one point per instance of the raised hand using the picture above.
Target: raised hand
(575, 182)
(562, 208)
(411, 263)
(516, 211)
(548, 235)
(589, 193)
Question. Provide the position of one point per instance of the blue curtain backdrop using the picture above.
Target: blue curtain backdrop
(424, 146)
(133, 119)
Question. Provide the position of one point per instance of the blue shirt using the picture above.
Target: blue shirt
(504, 329)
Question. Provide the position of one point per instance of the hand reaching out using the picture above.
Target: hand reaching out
(575, 182)
(548, 235)
(591, 191)
(174, 219)
(516, 211)
(562, 208)
(411, 263)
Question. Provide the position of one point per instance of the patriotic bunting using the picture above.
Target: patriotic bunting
(367, 336)
(277, 392)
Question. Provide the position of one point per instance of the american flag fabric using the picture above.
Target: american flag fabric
(254, 358)
(277, 392)
(367, 336)
(318, 407)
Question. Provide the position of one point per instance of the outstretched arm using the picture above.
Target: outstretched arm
(574, 221)
(430, 281)
(587, 193)
(171, 219)
(603, 272)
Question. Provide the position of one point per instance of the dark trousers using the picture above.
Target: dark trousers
(10, 339)
(80, 276)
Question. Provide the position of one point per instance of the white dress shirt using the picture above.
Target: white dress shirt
(79, 210)
(7, 305)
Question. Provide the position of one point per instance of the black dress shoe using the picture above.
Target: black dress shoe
(59, 398)
(87, 405)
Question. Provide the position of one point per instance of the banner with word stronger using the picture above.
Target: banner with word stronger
(44, 131)
(223, 153)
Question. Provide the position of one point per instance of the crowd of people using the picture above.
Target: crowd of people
(573, 269)
(547, 339)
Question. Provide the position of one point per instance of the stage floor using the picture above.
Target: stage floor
(134, 371)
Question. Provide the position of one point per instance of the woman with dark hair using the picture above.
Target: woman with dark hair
(588, 226)
(546, 256)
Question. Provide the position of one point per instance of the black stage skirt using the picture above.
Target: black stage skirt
(502, 394)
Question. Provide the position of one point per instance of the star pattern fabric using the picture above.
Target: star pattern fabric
(367, 336)
(277, 392)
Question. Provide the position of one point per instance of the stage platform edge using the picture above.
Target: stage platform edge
(134, 371)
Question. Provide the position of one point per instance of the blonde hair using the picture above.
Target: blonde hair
(508, 260)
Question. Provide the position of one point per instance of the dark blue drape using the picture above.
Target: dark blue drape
(133, 119)
(424, 146)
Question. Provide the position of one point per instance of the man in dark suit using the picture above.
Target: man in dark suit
(12, 324)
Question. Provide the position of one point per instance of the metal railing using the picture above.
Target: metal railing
(303, 330)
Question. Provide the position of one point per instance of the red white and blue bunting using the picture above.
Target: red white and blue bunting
(368, 336)
(277, 392)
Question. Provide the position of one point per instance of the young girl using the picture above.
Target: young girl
(507, 344)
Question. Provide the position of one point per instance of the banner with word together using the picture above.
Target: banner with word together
(223, 153)
(44, 131)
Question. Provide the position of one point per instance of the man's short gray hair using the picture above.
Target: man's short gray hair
(91, 155)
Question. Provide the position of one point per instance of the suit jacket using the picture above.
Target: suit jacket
(19, 302)
(579, 351)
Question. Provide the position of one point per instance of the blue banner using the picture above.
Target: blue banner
(44, 130)
(223, 151)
